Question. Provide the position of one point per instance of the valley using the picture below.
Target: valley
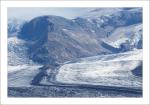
(119, 80)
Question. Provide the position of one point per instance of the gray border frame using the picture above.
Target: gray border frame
(75, 0)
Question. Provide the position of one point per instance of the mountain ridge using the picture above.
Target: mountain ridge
(56, 39)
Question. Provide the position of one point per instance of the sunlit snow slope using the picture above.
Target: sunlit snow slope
(130, 36)
(108, 70)
(17, 52)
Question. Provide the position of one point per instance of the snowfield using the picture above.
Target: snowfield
(131, 34)
(107, 70)
(22, 75)
(17, 52)
(12, 69)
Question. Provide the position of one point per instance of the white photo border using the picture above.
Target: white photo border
(68, 101)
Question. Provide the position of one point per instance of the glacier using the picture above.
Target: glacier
(107, 70)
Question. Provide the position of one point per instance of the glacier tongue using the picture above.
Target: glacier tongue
(117, 72)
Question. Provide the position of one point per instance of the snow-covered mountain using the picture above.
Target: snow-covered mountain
(21, 69)
(126, 38)
(98, 12)
(14, 26)
(105, 20)
(52, 34)
(83, 36)
(54, 39)
(17, 52)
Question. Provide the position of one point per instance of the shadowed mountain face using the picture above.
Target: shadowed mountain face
(58, 39)
(54, 39)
